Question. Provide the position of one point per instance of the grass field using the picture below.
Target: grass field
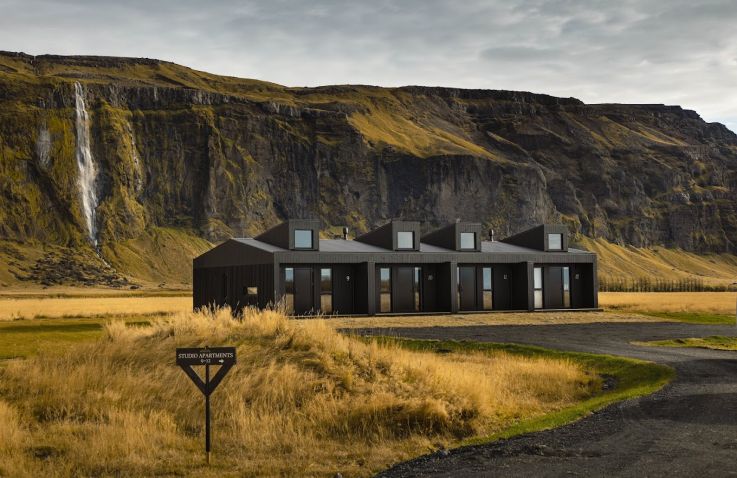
(24, 338)
(54, 307)
(61, 292)
(707, 302)
(303, 399)
(695, 307)
(717, 342)
(701, 307)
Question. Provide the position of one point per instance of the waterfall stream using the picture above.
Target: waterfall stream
(86, 164)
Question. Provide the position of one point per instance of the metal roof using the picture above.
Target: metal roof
(349, 246)
(431, 248)
(501, 247)
(342, 245)
(264, 246)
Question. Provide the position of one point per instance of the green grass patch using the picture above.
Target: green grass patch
(715, 342)
(695, 317)
(24, 338)
(632, 378)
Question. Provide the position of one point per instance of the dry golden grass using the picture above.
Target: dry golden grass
(29, 308)
(387, 122)
(38, 291)
(616, 262)
(461, 320)
(303, 400)
(13, 442)
(705, 302)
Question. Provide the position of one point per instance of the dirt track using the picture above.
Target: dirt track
(687, 429)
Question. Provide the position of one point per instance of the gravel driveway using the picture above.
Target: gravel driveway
(689, 428)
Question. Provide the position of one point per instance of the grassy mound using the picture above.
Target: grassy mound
(302, 400)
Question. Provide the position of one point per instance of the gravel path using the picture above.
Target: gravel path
(689, 428)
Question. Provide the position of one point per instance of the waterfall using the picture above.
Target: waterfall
(86, 164)
(43, 147)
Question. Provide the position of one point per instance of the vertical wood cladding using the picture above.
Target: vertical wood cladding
(221, 286)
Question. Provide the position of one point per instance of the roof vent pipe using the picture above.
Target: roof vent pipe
(491, 235)
(345, 233)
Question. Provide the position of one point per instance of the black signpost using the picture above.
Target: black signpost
(189, 357)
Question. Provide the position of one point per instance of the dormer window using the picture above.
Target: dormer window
(555, 242)
(468, 241)
(303, 239)
(405, 240)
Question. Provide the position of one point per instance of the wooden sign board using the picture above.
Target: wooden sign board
(224, 357)
(189, 357)
(206, 356)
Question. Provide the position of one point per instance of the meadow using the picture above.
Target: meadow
(303, 399)
(707, 302)
(618, 306)
(694, 307)
(59, 307)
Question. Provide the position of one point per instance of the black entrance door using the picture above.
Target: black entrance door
(343, 280)
(404, 299)
(553, 285)
(502, 288)
(466, 288)
(304, 290)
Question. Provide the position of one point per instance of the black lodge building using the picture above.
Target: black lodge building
(394, 269)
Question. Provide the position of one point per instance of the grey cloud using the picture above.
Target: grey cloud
(675, 52)
(518, 53)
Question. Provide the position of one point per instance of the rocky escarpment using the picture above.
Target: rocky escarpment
(221, 156)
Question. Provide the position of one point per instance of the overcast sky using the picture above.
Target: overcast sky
(663, 51)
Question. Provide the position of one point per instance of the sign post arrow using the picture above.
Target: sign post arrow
(189, 357)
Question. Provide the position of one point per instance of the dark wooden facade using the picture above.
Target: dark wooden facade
(435, 274)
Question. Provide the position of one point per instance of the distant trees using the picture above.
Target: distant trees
(646, 284)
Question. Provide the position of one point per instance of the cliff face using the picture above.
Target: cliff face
(219, 156)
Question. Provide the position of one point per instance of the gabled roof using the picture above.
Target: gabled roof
(342, 245)
(349, 246)
(264, 246)
(499, 247)
(424, 247)
(334, 245)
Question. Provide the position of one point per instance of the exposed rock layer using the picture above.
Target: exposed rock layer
(224, 156)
